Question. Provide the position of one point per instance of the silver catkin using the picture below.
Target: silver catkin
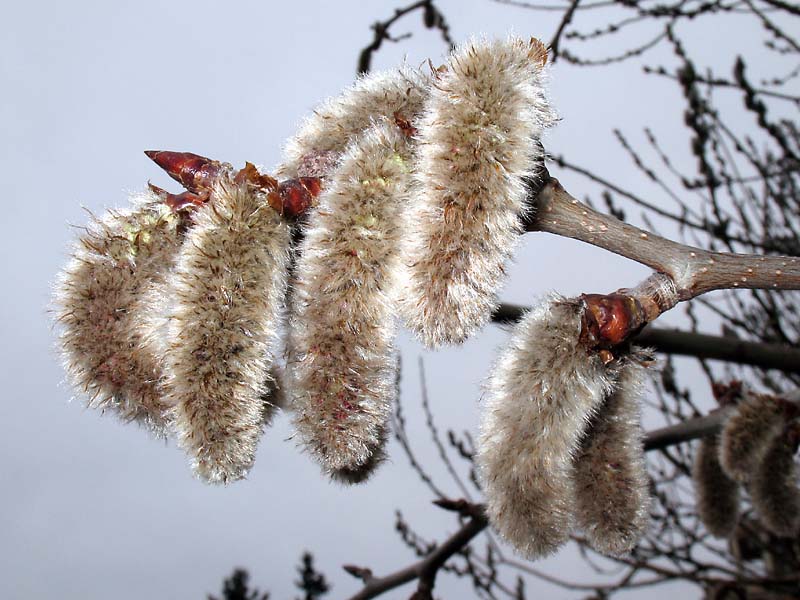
(341, 363)
(774, 487)
(316, 148)
(228, 290)
(478, 140)
(611, 482)
(748, 432)
(717, 494)
(97, 302)
(541, 397)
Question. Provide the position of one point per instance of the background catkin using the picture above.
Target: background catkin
(716, 493)
(540, 399)
(774, 487)
(611, 482)
(748, 433)
(316, 148)
(341, 363)
(228, 289)
(478, 139)
(96, 297)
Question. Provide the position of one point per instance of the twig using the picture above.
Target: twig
(693, 270)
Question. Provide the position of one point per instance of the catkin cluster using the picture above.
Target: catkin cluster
(560, 445)
(754, 450)
(174, 313)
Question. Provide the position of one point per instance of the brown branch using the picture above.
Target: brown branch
(426, 569)
(565, 20)
(698, 345)
(432, 16)
(694, 271)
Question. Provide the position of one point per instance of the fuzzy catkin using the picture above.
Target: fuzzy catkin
(541, 397)
(316, 148)
(747, 434)
(478, 140)
(774, 488)
(341, 363)
(717, 494)
(97, 303)
(611, 483)
(228, 290)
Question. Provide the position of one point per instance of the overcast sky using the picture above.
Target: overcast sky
(92, 509)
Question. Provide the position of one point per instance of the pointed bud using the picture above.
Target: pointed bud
(294, 197)
(194, 172)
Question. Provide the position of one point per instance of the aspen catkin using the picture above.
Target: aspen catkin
(97, 304)
(341, 363)
(774, 486)
(717, 494)
(478, 141)
(611, 482)
(541, 397)
(748, 432)
(316, 148)
(228, 291)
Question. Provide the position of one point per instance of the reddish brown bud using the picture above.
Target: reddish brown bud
(194, 172)
(610, 319)
(295, 196)
(250, 175)
(179, 202)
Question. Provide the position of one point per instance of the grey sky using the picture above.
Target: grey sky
(94, 509)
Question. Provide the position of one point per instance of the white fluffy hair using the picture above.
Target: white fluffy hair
(748, 432)
(228, 292)
(341, 363)
(774, 488)
(478, 140)
(716, 493)
(96, 303)
(316, 148)
(611, 483)
(541, 397)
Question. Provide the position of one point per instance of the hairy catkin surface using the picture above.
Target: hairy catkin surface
(97, 303)
(541, 397)
(341, 363)
(478, 139)
(774, 488)
(612, 497)
(326, 133)
(228, 290)
(717, 494)
(747, 434)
